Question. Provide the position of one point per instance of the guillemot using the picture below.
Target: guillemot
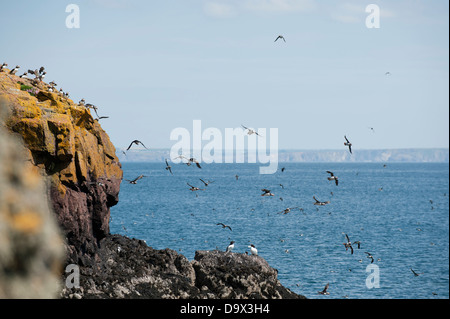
(253, 250)
(230, 247)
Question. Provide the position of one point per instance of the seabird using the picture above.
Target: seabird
(101, 118)
(266, 192)
(24, 76)
(206, 183)
(168, 167)
(250, 131)
(348, 144)
(319, 203)
(41, 70)
(282, 169)
(415, 273)
(253, 250)
(348, 244)
(333, 177)
(287, 210)
(193, 188)
(369, 255)
(280, 37)
(237, 177)
(13, 71)
(134, 181)
(52, 83)
(358, 243)
(193, 160)
(224, 226)
(135, 142)
(230, 247)
(324, 291)
(4, 65)
(82, 102)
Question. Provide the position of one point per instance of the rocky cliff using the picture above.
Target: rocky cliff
(69, 148)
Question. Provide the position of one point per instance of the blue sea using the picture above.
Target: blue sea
(399, 213)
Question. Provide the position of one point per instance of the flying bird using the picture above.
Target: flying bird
(206, 183)
(193, 160)
(348, 244)
(280, 37)
(224, 226)
(415, 273)
(319, 203)
(168, 167)
(287, 210)
(369, 255)
(134, 142)
(134, 181)
(324, 291)
(193, 188)
(333, 177)
(250, 131)
(348, 144)
(266, 192)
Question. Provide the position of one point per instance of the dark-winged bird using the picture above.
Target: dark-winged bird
(347, 143)
(134, 181)
(324, 291)
(280, 37)
(137, 143)
(224, 226)
(168, 167)
(333, 177)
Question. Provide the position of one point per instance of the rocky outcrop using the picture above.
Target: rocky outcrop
(71, 148)
(31, 245)
(128, 268)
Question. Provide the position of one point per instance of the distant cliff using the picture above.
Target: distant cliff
(414, 155)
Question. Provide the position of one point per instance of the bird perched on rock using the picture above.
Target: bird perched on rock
(230, 247)
(13, 71)
(3, 66)
(253, 250)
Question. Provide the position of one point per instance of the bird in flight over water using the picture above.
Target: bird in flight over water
(137, 143)
(134, 181)
(324, 291)
(224, 226)
(347, 143)
(168, 167)
(333, 177)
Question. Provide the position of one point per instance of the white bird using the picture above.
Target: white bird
(253, 250)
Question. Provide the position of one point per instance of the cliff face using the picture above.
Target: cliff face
(71, 148)
(31, 245)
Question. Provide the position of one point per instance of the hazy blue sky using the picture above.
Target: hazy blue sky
(153, 66)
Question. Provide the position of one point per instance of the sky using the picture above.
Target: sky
(155, 66)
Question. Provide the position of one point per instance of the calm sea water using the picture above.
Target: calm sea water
(399, 213)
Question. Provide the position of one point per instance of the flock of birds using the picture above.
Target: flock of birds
(39, 75)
